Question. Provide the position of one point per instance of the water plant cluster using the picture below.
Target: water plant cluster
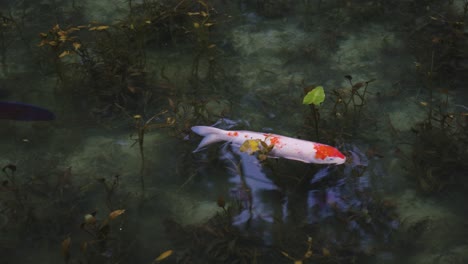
(164, 66)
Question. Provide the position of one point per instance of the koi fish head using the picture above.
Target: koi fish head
(328, 155)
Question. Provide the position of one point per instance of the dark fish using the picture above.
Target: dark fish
(24, 112)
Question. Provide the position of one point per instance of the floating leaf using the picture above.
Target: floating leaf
(250, 146)
(164, 255)
(116, 213)
(316, 96)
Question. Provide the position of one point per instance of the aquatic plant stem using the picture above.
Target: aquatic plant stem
(141, 130)
(316, 116)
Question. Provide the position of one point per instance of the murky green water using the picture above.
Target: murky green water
(113, 179)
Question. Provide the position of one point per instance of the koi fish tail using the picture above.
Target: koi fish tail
(211, 135)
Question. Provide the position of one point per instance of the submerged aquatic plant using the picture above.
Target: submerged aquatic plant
(142, 128)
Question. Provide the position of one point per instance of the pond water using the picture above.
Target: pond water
(97, 101)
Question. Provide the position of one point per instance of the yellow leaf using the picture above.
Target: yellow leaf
(285, 254)
(423, 103)
(73, 29)
(196, 25)
(63, 54)
(43, 35)
(63, 38)
(132, 27)
(204, 14)
(148, 21)
(164, 255)
(250, 146)
(211, 46)
(102, 27)
(193, 13)
(52, 43)
(116, 213)
(202, 3)
(298, 262)
(76, 45)
(325, 252)
(98, 28)
(208, 24)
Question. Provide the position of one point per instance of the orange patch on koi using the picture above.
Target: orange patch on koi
(324, 151)
(233, 134)
(274, 140)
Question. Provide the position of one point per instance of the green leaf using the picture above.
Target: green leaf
(316, 96)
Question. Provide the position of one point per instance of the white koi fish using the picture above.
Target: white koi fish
(283, 147)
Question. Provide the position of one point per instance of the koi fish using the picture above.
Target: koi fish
(283, 147)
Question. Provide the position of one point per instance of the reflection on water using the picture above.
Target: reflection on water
(340, 200)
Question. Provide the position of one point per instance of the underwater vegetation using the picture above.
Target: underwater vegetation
(163, 67)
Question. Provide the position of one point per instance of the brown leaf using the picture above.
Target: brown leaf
(325, 252)
(358, 85)
(116, 213)
(221, 202)
(83, 247)
(65, 53)
(98, 28)
(76, 45)
(66, 244)
(164, 255)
